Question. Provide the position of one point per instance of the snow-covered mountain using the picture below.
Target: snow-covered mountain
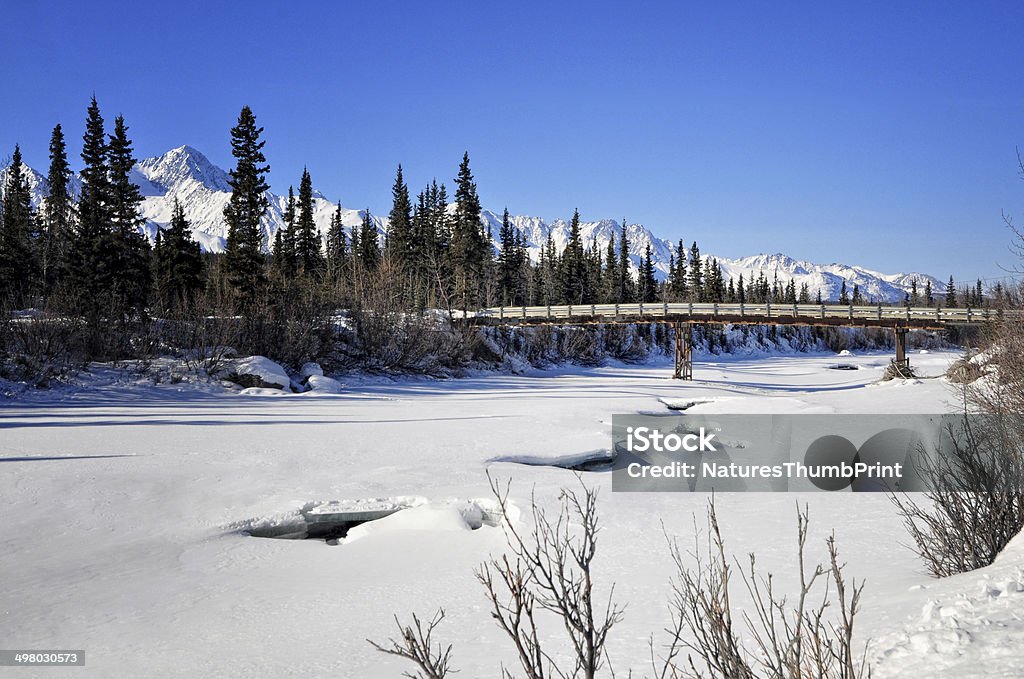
(202, 188)
(187, 175)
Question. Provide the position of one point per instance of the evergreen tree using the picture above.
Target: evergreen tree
(243, 258)
(817, 298)
(17, 264)
(677, 284)
(89, 271)
(468, 249)
(950, 294)
(594, 267)
(844, 297)
(308, 254)
(369, 246)
(915, 298)
(127, 248)
(805, 294)
(284, 262)
(58, 213)
(179, 263)
(610, 291)
(625, 287)
(858, 299)
(696, 274)
(336, 246)
(714, 281)
(400, 240)
(573, 274)
(929, 298)
(508, 261)
(741, 293)
(647, 283)
(791, 291)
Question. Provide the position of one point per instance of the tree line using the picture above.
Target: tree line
(85, 251)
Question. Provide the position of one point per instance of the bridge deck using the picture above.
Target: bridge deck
(927, 318)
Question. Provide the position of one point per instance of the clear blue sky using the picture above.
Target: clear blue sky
(875, 133)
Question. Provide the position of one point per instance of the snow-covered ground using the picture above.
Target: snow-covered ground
(124, 509)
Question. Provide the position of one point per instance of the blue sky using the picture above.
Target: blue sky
(882, 134)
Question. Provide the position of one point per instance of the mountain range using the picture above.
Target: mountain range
(203, 190)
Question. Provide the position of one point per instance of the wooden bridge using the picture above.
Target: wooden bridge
(682, 316)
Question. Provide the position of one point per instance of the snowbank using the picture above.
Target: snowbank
(259, 372)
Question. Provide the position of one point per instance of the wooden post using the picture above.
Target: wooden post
(684, 351)
(901, 347)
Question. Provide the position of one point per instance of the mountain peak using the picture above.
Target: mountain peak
(183, 164)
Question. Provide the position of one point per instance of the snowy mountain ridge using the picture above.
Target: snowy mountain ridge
(185, 174)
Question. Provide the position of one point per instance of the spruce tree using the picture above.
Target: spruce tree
(468, 249)
(369, 247)
(285, 262)
(179, 263)
(951, 294)
(17, 261)
(243, 258)
(336, 246)
(648, 284)
(308, 254)
(696, 274)
(625, 288)
(127, 248)
(929, 298)
(572, 271)
(58, 213)
(805, 294)
(508, 262)
(610, 278)
(89, 271)
(678, 288)
(400, 240)
(844, 297)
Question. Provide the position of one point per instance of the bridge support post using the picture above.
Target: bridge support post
(902, 362)
(684, 351)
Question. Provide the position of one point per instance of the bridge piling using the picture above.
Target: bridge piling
(902, 362)
(683, 333)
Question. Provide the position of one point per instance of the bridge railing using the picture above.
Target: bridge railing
(712, 310)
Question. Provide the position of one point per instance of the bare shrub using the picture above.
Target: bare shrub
(624, 342)
(790, 639)
(549, 571)
(415, 643)
(41, 347)
(546, 582)
(580, 345)
(290, 323)
(388, 336)
(975, 502)
(203, 331)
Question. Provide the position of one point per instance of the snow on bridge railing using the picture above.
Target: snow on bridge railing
(711, 310)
